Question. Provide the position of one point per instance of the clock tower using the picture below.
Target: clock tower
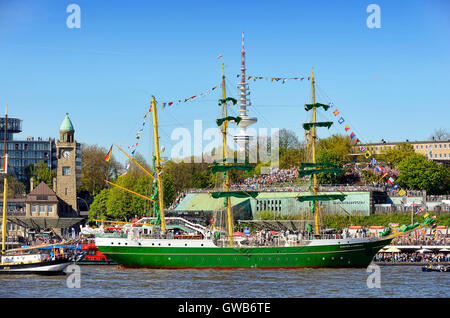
(67, 171)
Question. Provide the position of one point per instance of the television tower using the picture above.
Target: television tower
(242, 138)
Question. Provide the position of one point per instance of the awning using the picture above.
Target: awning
(44, 222)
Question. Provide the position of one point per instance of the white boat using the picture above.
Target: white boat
(39, 263)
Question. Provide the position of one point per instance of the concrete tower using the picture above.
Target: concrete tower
(242, 138)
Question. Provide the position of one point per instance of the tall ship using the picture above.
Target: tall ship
(163, 242)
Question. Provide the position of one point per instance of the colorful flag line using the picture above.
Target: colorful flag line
(165, 104)
(277, 79)
(367, 153)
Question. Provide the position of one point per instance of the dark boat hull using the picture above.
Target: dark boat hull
(48, 268)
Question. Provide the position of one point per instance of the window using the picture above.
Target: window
(66, 171)
(42, 209)
(66, 191)
(33, 208)
(50, 208)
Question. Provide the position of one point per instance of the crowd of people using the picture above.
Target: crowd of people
(422, 240)
(275, 176)
(411, 257)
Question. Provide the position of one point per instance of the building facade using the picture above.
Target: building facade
(44, 208)
(23, 153)
(436, 150)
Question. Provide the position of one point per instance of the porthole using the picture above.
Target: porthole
(201, 244)
(185, 244)
(323, 258)
(126, 243)
(342, 257)
(112, 243)
(169, 244)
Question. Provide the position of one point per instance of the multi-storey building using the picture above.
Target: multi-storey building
(28, 152)
(436, 150)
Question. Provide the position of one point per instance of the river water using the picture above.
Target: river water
(111, 281)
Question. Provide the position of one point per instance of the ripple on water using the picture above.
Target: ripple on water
(110, 281)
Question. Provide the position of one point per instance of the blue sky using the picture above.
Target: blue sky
(391, 82)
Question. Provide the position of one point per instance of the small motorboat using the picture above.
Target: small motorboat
(437, 268)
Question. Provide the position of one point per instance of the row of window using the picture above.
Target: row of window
(271, 205)
(41, 208)
(25, 162)
(440, 155)
(431, 146)
(372, 148)
(26, 146)
(28, 154)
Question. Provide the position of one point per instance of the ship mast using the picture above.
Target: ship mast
(314, 136)
(227, 178)
(158, 165)
(5, 185)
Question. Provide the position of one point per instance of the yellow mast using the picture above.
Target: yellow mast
(158, 165)
(314, 136)
(5, 187)
(227, 181)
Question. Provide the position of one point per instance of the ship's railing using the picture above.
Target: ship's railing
(180, 221)
(111, 235)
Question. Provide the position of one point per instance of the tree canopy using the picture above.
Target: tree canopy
(419, 173)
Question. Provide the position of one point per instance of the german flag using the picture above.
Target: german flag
(108, 155)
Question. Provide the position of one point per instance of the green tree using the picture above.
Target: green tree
(394, 156)
(41, 173)
(417, 172)
(98, 208)
(338, 145)
(329, 157)
(95, 170)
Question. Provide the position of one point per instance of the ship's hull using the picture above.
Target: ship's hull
(51, 267)
(189, 254)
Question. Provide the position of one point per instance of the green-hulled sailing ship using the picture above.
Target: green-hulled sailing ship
(177, 243)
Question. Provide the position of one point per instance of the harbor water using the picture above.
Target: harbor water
(111, 281)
